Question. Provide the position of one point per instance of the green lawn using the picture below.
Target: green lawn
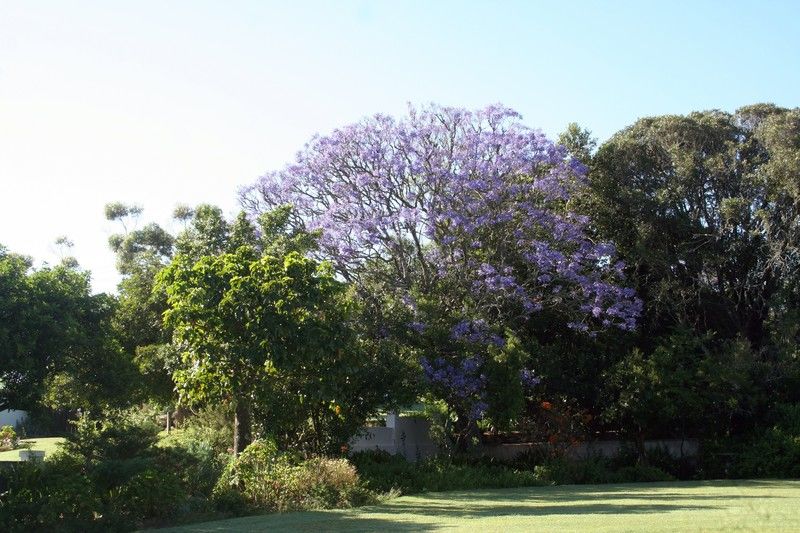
(47, 444)
(650, 507)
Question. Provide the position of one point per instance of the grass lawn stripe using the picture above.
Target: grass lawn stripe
(651, 507)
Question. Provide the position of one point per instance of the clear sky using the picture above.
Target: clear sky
(169, 102)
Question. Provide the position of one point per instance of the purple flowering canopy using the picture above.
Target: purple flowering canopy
(451, 194)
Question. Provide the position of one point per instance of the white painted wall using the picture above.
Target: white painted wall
(406, 436)
(12, 418)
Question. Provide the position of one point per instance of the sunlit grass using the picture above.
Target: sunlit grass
(650, 507)
(48, 445)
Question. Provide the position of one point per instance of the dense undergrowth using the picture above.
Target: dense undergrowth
(118, 476)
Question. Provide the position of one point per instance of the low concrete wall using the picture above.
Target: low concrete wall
(406, 436)
(410, 437)
(677, 448)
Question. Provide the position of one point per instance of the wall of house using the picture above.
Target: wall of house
(12, 418)
(406, 436)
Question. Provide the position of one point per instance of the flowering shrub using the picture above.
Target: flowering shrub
(8, 438)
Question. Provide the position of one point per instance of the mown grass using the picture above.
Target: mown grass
(652, 507)
(48, 445)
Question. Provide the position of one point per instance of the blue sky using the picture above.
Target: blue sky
(160, 103)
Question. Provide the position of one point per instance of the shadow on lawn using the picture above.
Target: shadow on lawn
(310, 521)
(633, 491)
(400, 514)
(465, 511)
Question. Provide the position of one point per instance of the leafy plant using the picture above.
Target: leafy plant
(8, 438)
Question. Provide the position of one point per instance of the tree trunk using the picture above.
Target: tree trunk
(241, 428)
(641, 450)
(169, 420)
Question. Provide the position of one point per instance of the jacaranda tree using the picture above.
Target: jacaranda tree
(465, 217)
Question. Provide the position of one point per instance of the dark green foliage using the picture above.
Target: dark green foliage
(595, 471)
(52, 496)
(109, 477)
(149, 494)
(57, 345)
(111, 438)
(688, 386)
(384, 472)
(703, 210)
(771, 451)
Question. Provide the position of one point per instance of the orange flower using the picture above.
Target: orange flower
(547, 406)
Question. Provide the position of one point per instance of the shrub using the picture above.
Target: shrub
(684, 467)
(210, 426)
(147, 495)
(596, 470)
(108, 477)
(51, 496)
(114, 437)
(196, 463)
(771, 452)
(383, 472)
(258, 475)
(263, 478)
(8, 438)
(322, 483)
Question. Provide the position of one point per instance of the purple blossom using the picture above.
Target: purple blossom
(419, 327)
(448, 193)
(477, 332)
(462, 383)
(528, 379)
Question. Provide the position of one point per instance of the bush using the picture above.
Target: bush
(8, 438)
(210, 426)
(597, 470)
(322, 483)
(684, 468)
(770, 452)
(383, 472)
(108, 477)
(197, 462)
(115, 438)
(51, 496)
(150, 494)
(263, 478)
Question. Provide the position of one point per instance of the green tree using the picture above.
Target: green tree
(57, 345)
(141, 254)
(261, 327)
(704, 210)
(688, 386)
(579, 142)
